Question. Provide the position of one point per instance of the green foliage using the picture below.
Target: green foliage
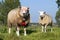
(58, 17)
(58, 3)
(58, 13)
(5, 7)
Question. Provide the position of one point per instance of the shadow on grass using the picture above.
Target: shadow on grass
(28, 31)
(1, 39)
(48, 30)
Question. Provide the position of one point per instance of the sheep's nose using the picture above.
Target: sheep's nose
(24, 13)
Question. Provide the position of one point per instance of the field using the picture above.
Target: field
(33, 33)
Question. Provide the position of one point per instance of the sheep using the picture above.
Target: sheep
(18, 17)
(45, 20)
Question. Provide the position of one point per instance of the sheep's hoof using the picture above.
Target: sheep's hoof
(25, 35)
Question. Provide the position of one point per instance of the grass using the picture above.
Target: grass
(33, 33)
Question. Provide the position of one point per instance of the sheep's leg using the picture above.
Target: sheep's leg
(24, 31)
(9, 30)
(51, 29)
(45, 28)
(42, 28)
(17, 32)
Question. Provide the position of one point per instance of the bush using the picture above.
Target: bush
(58, 17)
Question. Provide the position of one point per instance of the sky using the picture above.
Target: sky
(49, 6)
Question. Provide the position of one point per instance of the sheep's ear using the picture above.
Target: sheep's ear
(19, 7)
(44, 12)
(28, 8)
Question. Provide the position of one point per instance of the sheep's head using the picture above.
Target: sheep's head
(42, 14)
(24, 11)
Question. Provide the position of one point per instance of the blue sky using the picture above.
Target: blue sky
(49, 6)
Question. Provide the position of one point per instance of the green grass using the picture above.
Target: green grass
(33, 33)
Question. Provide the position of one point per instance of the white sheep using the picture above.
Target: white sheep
(45, 20)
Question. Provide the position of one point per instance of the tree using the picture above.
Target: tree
(5, 7)
(58, 3)
(58, 17)
(58, 13)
